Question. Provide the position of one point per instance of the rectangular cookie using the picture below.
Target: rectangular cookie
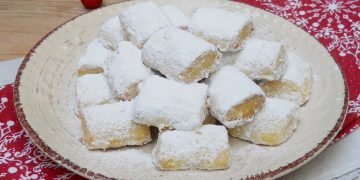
(296, 83)
(92, 89)
(205, 148)
(142, 20)
(179, 55)
(262, 59)
(111, 33)
(233, 98)
(225, 29)
(110, 126)
(125, 70)
(93, 61)
(273, 125)
(168, 104)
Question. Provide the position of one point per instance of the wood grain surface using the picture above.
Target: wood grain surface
(24, 22)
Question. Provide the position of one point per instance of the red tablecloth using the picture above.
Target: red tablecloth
(335, 23)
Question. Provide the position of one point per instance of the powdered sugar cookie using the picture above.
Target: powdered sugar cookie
(176, 16)
(262, 60)
(142, 20)
(92, 89)
(233, 98)
(169, 104)
(179, 55)
(273, 125)
(125, 70)
(204, 148)
(296, 83)
(110, 126)
(111, 33)
(225, 29)
(93, 61)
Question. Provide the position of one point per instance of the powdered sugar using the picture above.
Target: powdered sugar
(125, 68)
(294, 96)
(277, 116)
(229, 87)
(166, 103)
(218, 25)
(176, 16)
(276, 109)
(193, 147)
(92, 89)
(94, 56)
(111, 33)
(227, 58)
(262, 59)
(110, 122)
(142, 20)
(297, 71)
(172, 50)
(296, 83)
(248, 161)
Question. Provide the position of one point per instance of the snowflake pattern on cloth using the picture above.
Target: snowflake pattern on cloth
(355, 106)
(335, 23)
(19, 157)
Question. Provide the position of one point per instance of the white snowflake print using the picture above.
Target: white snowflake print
(3, 100)
(6, 136)
(326, 19)
(10, 157)
(354, 106)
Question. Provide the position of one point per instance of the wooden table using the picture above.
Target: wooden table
(24, 22)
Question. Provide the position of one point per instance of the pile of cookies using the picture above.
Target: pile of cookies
(153, 66)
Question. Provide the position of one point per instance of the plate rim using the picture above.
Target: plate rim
(68, 164)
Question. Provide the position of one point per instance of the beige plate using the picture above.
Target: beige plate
(45, 101)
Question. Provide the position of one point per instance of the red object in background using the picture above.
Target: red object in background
(91, 4)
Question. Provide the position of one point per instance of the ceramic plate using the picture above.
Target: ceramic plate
(45, 103)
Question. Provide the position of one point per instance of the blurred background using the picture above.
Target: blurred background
(24, 22)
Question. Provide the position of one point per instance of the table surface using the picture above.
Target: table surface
(24, 22)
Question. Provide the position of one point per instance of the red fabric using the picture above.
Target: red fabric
(335, 23)
(19, 157)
